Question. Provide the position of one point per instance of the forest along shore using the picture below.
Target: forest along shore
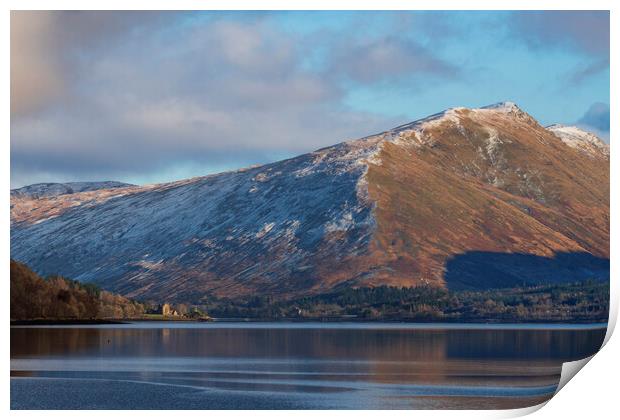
(58, 300)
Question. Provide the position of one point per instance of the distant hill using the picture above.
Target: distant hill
(57, 298)
(430, 203)
(54, 189)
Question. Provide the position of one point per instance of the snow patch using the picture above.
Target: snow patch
(264, 230)
(416, 133)
(343, 224)
(503, 107)
(150, 265)
(581, 140)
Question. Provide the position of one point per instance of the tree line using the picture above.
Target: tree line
(59, 298)
(586, 301)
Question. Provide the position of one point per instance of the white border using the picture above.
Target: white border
(592, 394)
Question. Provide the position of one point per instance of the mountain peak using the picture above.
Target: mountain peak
(510, 109)
(506, 106)
(507, 112)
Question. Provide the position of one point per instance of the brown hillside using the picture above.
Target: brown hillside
(488, 181)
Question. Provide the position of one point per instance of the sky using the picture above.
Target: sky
(145, 97)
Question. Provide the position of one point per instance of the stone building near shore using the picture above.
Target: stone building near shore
(168, 310)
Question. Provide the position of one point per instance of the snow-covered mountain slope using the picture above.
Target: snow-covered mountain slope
(404, 207)
(237, 229)
(580, 139)
(52, 189)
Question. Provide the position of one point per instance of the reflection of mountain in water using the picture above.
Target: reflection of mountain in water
(382, 345)
(383, 363)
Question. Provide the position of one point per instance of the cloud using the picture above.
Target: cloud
(579, 32)
(45, 46)
(36, 72)
(589, 70)
(386, 58)
(132, 103)
(585, 31)
(596, 118)
(138, 95)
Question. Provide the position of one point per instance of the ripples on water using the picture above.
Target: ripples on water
(290, 366)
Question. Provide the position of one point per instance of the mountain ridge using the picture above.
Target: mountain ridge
(390, 208)
(578, 136)
(52, 189)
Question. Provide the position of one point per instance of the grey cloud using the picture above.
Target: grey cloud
(597, 117)
(138, 102)
(36, 72)
(376, 60)
(586, 31)
(125, 98)
(46, 44)
(591, 69)
(152, 140)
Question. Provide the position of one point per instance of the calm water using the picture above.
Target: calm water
(292, 365)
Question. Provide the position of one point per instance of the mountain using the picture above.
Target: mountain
(464, 199)
(53, 189)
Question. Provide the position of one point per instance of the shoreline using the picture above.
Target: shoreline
(27, 322)
(72, 322)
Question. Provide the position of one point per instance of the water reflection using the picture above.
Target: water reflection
(358, 367)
